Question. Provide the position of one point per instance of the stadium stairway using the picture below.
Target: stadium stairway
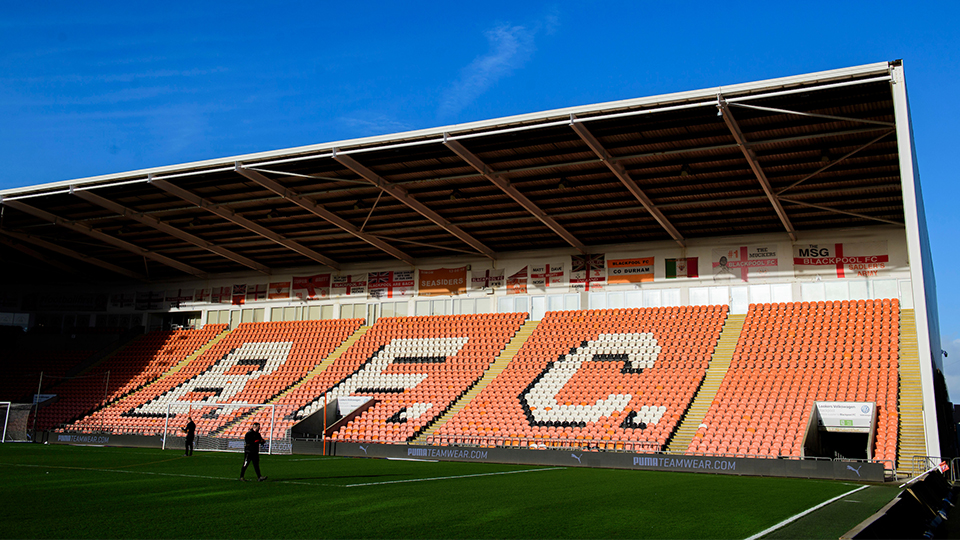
(716, 371)
(504, 359)
(910, 400)
(318, 369)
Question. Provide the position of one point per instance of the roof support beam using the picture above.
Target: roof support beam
(105, 238)
(237, 219)
(751, 157)
(37, 241)
(514, 194)
(323, 213)
(402, 195)
(621, 173)
(151, 221)
(838, 211)
(27, 250)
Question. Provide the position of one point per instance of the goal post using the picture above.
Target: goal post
(210, 439)
(15, 417)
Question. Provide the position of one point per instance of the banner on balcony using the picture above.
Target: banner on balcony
(633, 270)
(842, 260)
(350, 285)
(743, 262)
(443, 281)
(391, 284)
(312, 287)
(587, 272)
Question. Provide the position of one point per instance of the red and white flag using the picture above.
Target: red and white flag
(239, 295)
(350, 285)
(256, 292)
(517, 283)
(279, 290)
(547, 276)
(743, 262)
(587, 272)
(391, 284)
(312, 287)
(841, 260)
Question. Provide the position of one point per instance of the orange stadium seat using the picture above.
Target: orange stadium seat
(790, 355)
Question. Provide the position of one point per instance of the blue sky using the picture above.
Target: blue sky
(101, 87)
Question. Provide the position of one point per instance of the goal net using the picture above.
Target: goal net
(14, 417)
(221, 426)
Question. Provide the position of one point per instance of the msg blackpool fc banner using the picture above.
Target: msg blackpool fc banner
(312, 287)
(743, 262)
(635, 270)
(443, 281)
(390, 284)
(841, 260)
(487, 280)
(350, 285)
(587, 272)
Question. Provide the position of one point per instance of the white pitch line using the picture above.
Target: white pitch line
(801, 514)
(453, 477)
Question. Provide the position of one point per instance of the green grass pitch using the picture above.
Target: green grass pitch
(52, 491)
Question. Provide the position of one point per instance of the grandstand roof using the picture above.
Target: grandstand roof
(785, 155)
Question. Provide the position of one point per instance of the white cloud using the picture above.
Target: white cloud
(510, 48)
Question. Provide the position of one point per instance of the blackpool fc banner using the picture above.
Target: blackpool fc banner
(279, 290)
(390, 284)
(312, 287)
(443, 281)
(743, 262)
(487, 280)
(682, 268)
(587, 272)
(635, 270)
(350, 285)
(517, 282)
(548, 277)
(841, 260)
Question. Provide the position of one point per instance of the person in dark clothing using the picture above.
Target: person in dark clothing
(251, 451)
(190, 429)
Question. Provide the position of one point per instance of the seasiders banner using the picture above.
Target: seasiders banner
(841, 260)
(392, 284)
(744, 262)
(443, 281)
(633, 270)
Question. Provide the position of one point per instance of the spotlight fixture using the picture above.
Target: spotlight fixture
(685, 170)
(272, 213)
(562, 184)
(358, 204)
(455, 194)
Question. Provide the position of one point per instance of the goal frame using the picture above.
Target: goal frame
(6, 421)
(205, 404)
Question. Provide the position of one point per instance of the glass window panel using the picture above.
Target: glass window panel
(885, 288)
(719, 296)
(740, 300)
(539, 308)
(634, 299)
(484, 305)
(836, 290)
(522, 305)
(598, 300)
(781, 292)
(276, 314)
(671, 297)
(247, 315)
(423, 308)
(759, 294)
(615, 300)
(555, 302)
(313, 313)
(258, 314)
(651, 298)
(858, 290)
(571, 302)
(505, 304)
(387, 309)
(699, 296)
(812, 292)
(326, 312)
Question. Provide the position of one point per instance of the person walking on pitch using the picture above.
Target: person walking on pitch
(190, 429)
(251, 451)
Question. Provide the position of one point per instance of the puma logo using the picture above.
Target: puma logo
(576, 457)
(362, 448)
(857, 470)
